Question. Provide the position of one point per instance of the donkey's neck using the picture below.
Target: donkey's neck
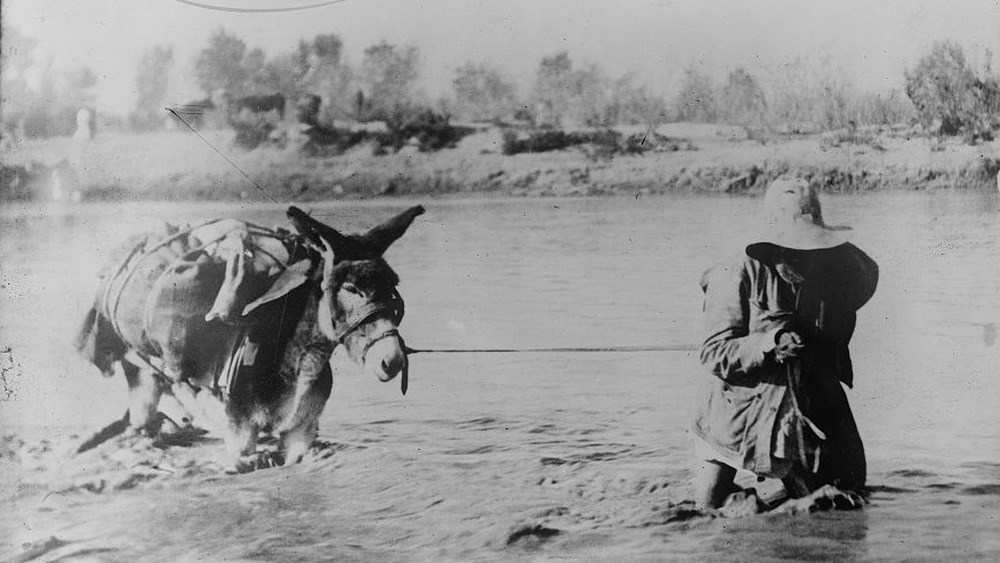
(308, 349)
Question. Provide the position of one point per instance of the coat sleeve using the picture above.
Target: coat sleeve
(730, 351)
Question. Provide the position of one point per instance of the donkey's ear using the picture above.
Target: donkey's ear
(302, 224)
(379, 238)
(321, 235)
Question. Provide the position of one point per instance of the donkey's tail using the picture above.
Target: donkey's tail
(98, 342)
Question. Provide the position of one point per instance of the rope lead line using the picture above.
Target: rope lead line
(227, 159)
(604, 349)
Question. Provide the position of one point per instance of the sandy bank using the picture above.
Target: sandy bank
(180, 166)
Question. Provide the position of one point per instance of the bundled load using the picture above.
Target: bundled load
(190, 288)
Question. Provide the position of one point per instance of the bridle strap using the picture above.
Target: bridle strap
(361, 318)
(404, 380)
(392, 332)
(394, 306)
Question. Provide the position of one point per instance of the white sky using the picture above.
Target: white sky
(871, 41)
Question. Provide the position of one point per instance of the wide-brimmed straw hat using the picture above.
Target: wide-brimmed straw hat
(793, 219)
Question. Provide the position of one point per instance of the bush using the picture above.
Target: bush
(252, 129)
(538, 141)
(602, 143)
(430, 130)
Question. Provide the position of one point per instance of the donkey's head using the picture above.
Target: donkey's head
(360, 307)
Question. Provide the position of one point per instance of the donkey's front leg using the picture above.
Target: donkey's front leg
(296, 441)
(241, 446)
(301, 415)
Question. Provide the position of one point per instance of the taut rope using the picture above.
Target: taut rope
(597, 349)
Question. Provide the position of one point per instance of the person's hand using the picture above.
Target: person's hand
(788, 345)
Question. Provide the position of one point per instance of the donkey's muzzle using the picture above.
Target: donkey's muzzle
(385, 356)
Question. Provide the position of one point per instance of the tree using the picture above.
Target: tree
(811, 97)
(834, 95)
(633, 105)
(314, 60)
(887, 108)
(220, 66)
(327, 48)
(790, 95)
(949, 93)
(326, 75)
(313, 68)
(152, 80)
(482, 92)
(552, 83)
(257, 79)
(564, 93)
(73, 91)
(742, 101)
(38, 102)
(16, 59)
(589, 93)
(696, 100)
(388, 74)
(76, 86)
(281, 74)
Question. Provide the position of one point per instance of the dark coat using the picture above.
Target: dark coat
(748, 412)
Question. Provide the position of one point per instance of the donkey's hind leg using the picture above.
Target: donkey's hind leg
(144, 392)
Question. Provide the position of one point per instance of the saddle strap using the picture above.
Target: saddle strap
(141, 359)
(243, 353)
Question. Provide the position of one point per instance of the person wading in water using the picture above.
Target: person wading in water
(779, 318)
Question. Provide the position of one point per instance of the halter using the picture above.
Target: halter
(394, 306)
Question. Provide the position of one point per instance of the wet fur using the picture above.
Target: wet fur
(290, 385)
(287, 394)
(286, 386)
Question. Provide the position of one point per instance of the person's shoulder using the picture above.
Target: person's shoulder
(855, 248)
(849, 249)
(734, 265)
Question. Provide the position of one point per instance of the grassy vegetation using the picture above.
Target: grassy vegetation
(177, 165)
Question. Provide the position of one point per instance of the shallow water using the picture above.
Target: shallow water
(488, 447)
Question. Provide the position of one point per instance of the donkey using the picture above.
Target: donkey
(245, 348)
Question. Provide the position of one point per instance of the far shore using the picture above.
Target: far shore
(179, 166)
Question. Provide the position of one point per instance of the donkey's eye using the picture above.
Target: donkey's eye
(351, 288)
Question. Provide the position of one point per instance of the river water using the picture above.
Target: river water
(524, 456)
